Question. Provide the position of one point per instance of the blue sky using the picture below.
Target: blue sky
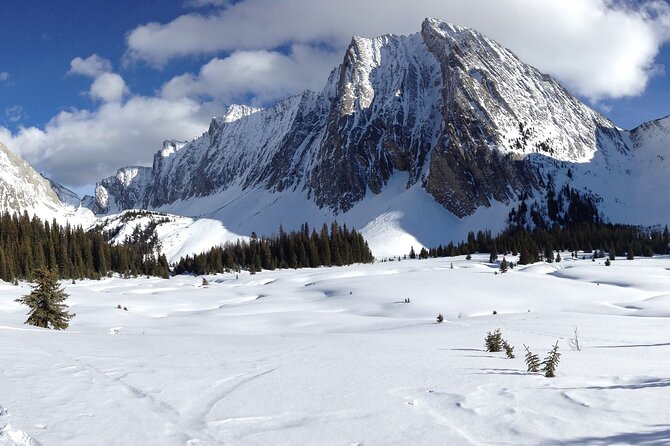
(90, 86)
(39, 39)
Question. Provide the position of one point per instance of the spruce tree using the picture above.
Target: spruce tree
(493, 341)
(532, 360)
(509, 350)
(45, 301)
(494, 254)
(503, 265)
(412, 253)
(551, 362)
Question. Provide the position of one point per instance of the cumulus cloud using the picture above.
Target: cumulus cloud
(598, 48)
(79, 147)
(262, 75)
(108, 87)
(93, 66)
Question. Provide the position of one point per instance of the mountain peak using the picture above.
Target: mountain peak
(446, 113)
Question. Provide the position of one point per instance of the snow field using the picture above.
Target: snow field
(332, 356)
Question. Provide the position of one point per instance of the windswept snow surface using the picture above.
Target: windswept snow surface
(332, 356)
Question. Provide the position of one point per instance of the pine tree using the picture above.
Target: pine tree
(412, 253)
(494, 254)
(493, 341)
(440, 318)
(45, 301)
(558, 257)
(551, 362)
(509, 350)
(503, 265)
(532, 360)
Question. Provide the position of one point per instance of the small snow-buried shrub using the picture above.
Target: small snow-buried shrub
(550, 363)
(509, 350)
(574, 342)
(440, 318)
(532, 360)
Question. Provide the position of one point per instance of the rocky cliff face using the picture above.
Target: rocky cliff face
(447, 109)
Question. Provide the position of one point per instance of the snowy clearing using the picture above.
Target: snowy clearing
(332, 356)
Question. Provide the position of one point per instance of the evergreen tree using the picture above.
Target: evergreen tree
(440, 318)
(493, 341)
(532, 360)
(503, 265)
(412, 253)
(525, 258)
(558, 257)
(550, 363)
(548, 254)
(509, 350)
(45, 301)
(494, 254)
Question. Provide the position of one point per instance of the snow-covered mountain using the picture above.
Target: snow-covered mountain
(416, 139)
(22, 189)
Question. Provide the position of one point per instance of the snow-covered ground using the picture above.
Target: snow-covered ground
(332, 356)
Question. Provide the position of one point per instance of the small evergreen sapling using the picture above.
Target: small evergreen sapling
(509, 350)
(440, 318)
(503, 265)
(532, 360)
(551, 362)
(493, 341)
(45, 301)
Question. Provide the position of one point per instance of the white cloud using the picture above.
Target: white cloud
(4, 76)
(263, 75)
(93, 66)
(108, 87)
(14, 113)
(80, 147)
(205, 3)
(598, 48)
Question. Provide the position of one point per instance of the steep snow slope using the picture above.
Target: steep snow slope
(178, 236)
(22, 189)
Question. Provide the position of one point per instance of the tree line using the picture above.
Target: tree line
(28, 244)
(297, 249)
(533, 245)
